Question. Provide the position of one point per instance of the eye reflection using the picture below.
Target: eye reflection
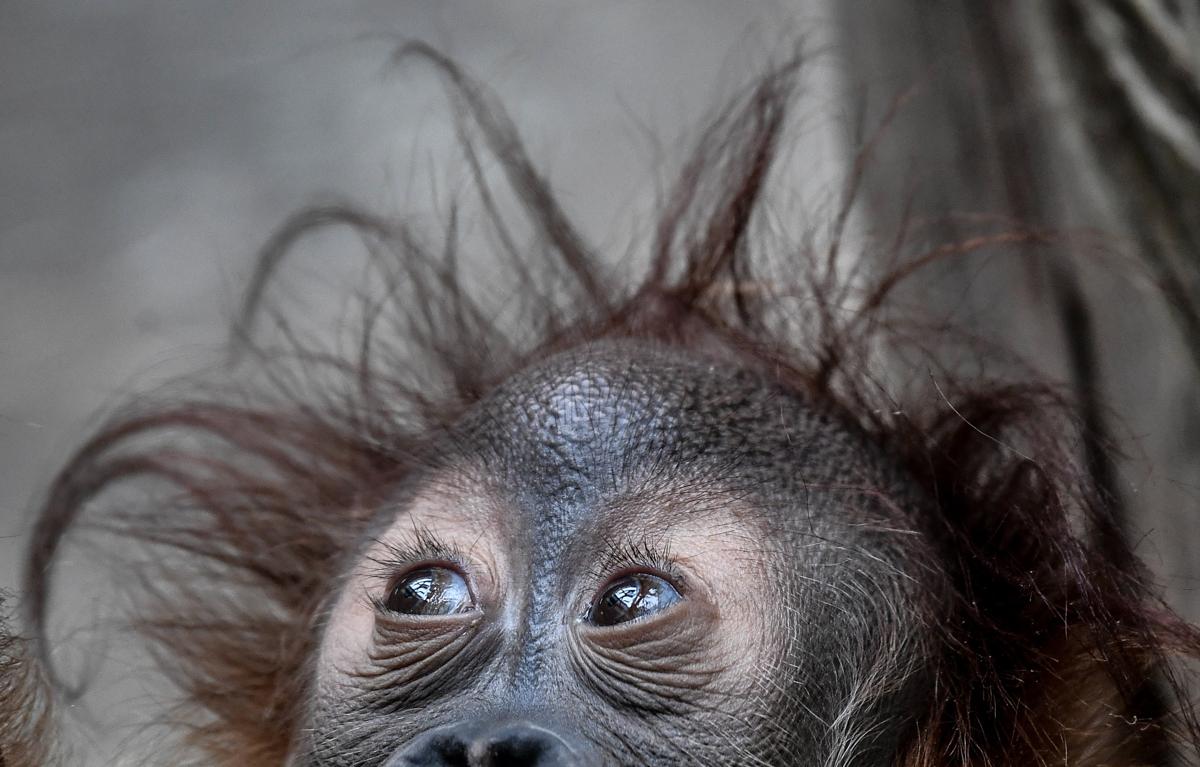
(430, 591)
(631, 597)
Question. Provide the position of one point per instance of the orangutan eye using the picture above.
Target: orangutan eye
(431, 591)
(630, 597)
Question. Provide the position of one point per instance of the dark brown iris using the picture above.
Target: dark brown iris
(430, 591)
(631, 597)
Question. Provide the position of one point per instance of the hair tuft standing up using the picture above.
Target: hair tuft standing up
(260, 491)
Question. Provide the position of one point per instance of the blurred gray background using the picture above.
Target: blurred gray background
(148, 148)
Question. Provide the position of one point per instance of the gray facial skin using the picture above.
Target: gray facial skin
(800, 637)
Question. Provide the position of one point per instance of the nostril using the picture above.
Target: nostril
(451, 752)
(488, 744)
(509, 750)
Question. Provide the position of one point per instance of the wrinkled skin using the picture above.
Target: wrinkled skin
(794, 546)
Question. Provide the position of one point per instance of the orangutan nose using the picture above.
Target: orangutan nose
(490, 744)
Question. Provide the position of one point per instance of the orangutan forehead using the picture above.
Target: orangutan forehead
(587, 433)
(608, 418)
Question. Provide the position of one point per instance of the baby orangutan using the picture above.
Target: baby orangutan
(676, 519)
(634, 554)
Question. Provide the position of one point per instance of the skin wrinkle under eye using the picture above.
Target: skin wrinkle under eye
(714, 522)
(664, 665)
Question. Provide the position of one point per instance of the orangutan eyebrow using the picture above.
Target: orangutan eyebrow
(616, 554)
(451, 493)
(418, 545)
(661, 503)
